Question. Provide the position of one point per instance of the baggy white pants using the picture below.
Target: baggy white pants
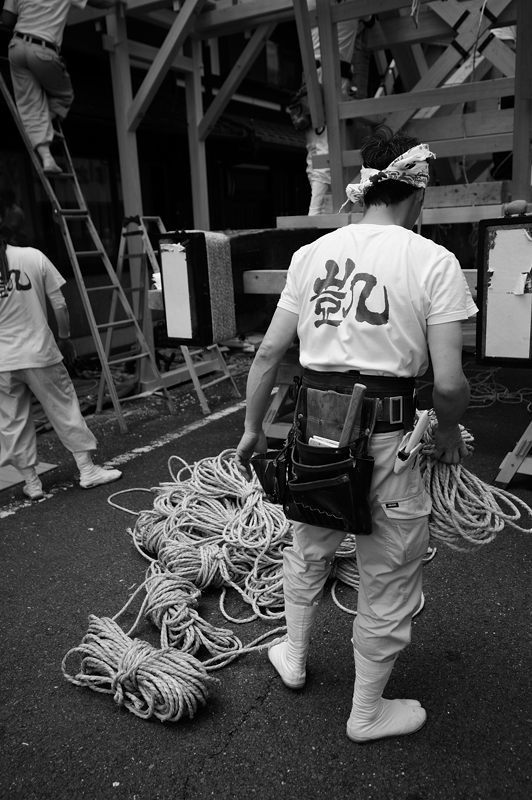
(54, 390)
(389, 560)
(42, 88)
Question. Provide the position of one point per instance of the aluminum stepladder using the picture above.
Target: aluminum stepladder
(196, 364)
(72, 219)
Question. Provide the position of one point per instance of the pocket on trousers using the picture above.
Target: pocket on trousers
(407, 526)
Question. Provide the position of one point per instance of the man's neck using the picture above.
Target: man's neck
(383, 215)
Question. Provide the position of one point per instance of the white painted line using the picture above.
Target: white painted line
(8, 511)
(172, 437)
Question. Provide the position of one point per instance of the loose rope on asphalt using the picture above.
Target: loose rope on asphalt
(486, 390)
(210, 527)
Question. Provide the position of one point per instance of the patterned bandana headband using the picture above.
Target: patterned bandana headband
(411, 167)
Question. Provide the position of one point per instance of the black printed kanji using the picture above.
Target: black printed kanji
(332, 291)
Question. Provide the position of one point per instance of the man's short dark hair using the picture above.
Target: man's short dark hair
(378, 152)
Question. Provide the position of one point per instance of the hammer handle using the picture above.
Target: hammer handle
(353, 412)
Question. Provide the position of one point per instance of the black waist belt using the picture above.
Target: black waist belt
(396, 396)
(345, 68)
(27, 37)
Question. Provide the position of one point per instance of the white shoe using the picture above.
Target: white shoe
(33, 488)
(96, 476)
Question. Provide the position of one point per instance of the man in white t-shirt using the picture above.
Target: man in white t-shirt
(369, 303)
(31, 362)
(41, 83)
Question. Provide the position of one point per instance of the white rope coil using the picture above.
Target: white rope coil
(209, 527)
(166, 683)
(466, 512)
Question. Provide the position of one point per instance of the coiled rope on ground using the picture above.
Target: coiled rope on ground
(209, 527)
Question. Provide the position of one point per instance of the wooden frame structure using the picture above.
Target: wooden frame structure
(454, 71)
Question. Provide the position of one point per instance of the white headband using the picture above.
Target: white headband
(411, 167)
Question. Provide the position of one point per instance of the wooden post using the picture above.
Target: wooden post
(123, 96)
(196, 147)
(522, 161)
(330, 62)
(129, 172)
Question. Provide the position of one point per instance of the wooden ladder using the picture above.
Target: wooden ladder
(83, 244)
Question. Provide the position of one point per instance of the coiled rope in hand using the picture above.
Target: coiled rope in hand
(466, 512)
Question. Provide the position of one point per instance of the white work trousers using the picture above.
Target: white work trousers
(319, 179)
(42, 88)
(54, 390)
(389, 560)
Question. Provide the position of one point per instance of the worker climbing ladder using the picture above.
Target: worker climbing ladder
(136, 247)
(83, 243)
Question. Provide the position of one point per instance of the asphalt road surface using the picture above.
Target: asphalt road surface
(70, 556)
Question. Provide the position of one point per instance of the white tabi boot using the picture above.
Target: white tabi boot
(373, 717)
(289, 654)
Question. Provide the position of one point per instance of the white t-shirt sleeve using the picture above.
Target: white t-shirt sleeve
(289, 296)
(449, 298)
(52, 278)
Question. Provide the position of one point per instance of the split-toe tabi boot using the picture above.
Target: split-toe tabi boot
(373, 717)
(93, 475)
(33, 487)
(289, 653)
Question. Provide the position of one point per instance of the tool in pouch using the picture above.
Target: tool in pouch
(327, 486)
(411, 444)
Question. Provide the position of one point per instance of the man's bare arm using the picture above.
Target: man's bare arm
(450, 396)
(261, 380)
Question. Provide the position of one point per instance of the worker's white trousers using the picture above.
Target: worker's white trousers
(319, 179)
(53, 388)
(42, 88)
(389, 560)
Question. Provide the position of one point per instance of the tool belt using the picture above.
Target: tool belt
(329, 486)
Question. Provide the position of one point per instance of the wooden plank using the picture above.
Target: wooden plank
(469, 194)
(501, 56)
(234, 79)
(444, 148)
(362, 8)
(444, 95)
(403, 31)
(453, 126)
(196, 147)
(143, 55)
(242, 16)
(322, 221)
(264, 281)
(315, 95)
(183, 24)
(522, 159)
(431, 216)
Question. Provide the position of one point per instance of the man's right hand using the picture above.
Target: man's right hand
(68, 351)
(449, 446)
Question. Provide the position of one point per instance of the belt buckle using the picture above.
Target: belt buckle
(396, 409)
